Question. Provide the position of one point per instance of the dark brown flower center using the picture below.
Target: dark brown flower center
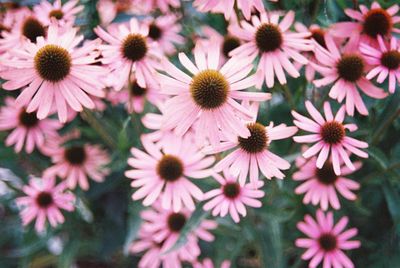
(134, 47)
(327, 242)
(229, 44)
(231, 190)
(44, 199)
(326, 175)
(257, 141)
(3, 28)
(268, 37)
(391, 59)
(136, 90)
(57, 14)
(28, 120)
(170, 168)
(377, 22)
(333, 132)
(319, 36)
(32, 28)
(53, 63)
(209, 89)
(155, 32)
(350, 67)
(75, 155)
(176, 221)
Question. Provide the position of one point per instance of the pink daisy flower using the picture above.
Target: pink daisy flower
(43, 200)
(129, 50)
(27, 130)
(326, 241)
(207, 263)
(272, 41)
(56, 73)
(162, 173)
(329, 136)
(208, 97)
(385, 61)
(347, 71)
(227, 6)
(63, 14)
(152, 5)
(320, 185)
(232, 197)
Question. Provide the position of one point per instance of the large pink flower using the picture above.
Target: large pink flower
(227, 6)
(209, 95)
(329, 136)
(64, 15)
(43, 200)
(347, 71)
(326, 241)
(55, 72)
(274, 43)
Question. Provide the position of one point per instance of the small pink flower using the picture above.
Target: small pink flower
(27, 130)
(385, 61)
(320, 185)
(162, 173)
(347, 71)
(55, 73)
(329, 136)
(207, 263)
(227, 6)
(232, 197)
(274, 43)
(326, 241)
(43, 200)
(62, 14)
(129, 50)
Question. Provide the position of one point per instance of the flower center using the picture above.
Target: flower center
(57, 14)
(391, 59)
(332, 132)
(350, 67)
(28, 120)
(176, 221)
(155, 32)
(327, 242)
(229, 44)
(209, 89)
(136, 90)
(3, 28)
(53, 63)
(319, 36)
(326, 175)
(268, 37)
(377, 22)
(231, 190)
(32, 28)
(44, 199)
(134, 47)
(170, 168)
(75, 155)
(257, 141)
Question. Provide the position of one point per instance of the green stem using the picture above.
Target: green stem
(289, 96)
(381, 130)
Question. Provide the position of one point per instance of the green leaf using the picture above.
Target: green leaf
(392, 197)
(134, 222)
(376, 154)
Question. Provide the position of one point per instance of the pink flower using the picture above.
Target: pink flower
(330, 137)
(55, 72)
(320, 185)
(208, 97)
(227, 6)
(162, 173)
(326, 241)
(129, 50)
(63, 14)
(152, 5)
(347, 71)
(385, 61)
(43, 200)
(274, 44)
(232, 197)
(27, 130)
(207, 263)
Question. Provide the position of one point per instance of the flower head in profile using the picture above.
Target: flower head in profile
(26, 130)
(232, 198)
(63, 14)
(326, 241)
(227, 6)
(320, 186)
(163, 173)
(274, 43)
(54, 72)
(385, 60)
(128, 50)
(346, 70)
(44, 199)
(208, 97)
(329, 136)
